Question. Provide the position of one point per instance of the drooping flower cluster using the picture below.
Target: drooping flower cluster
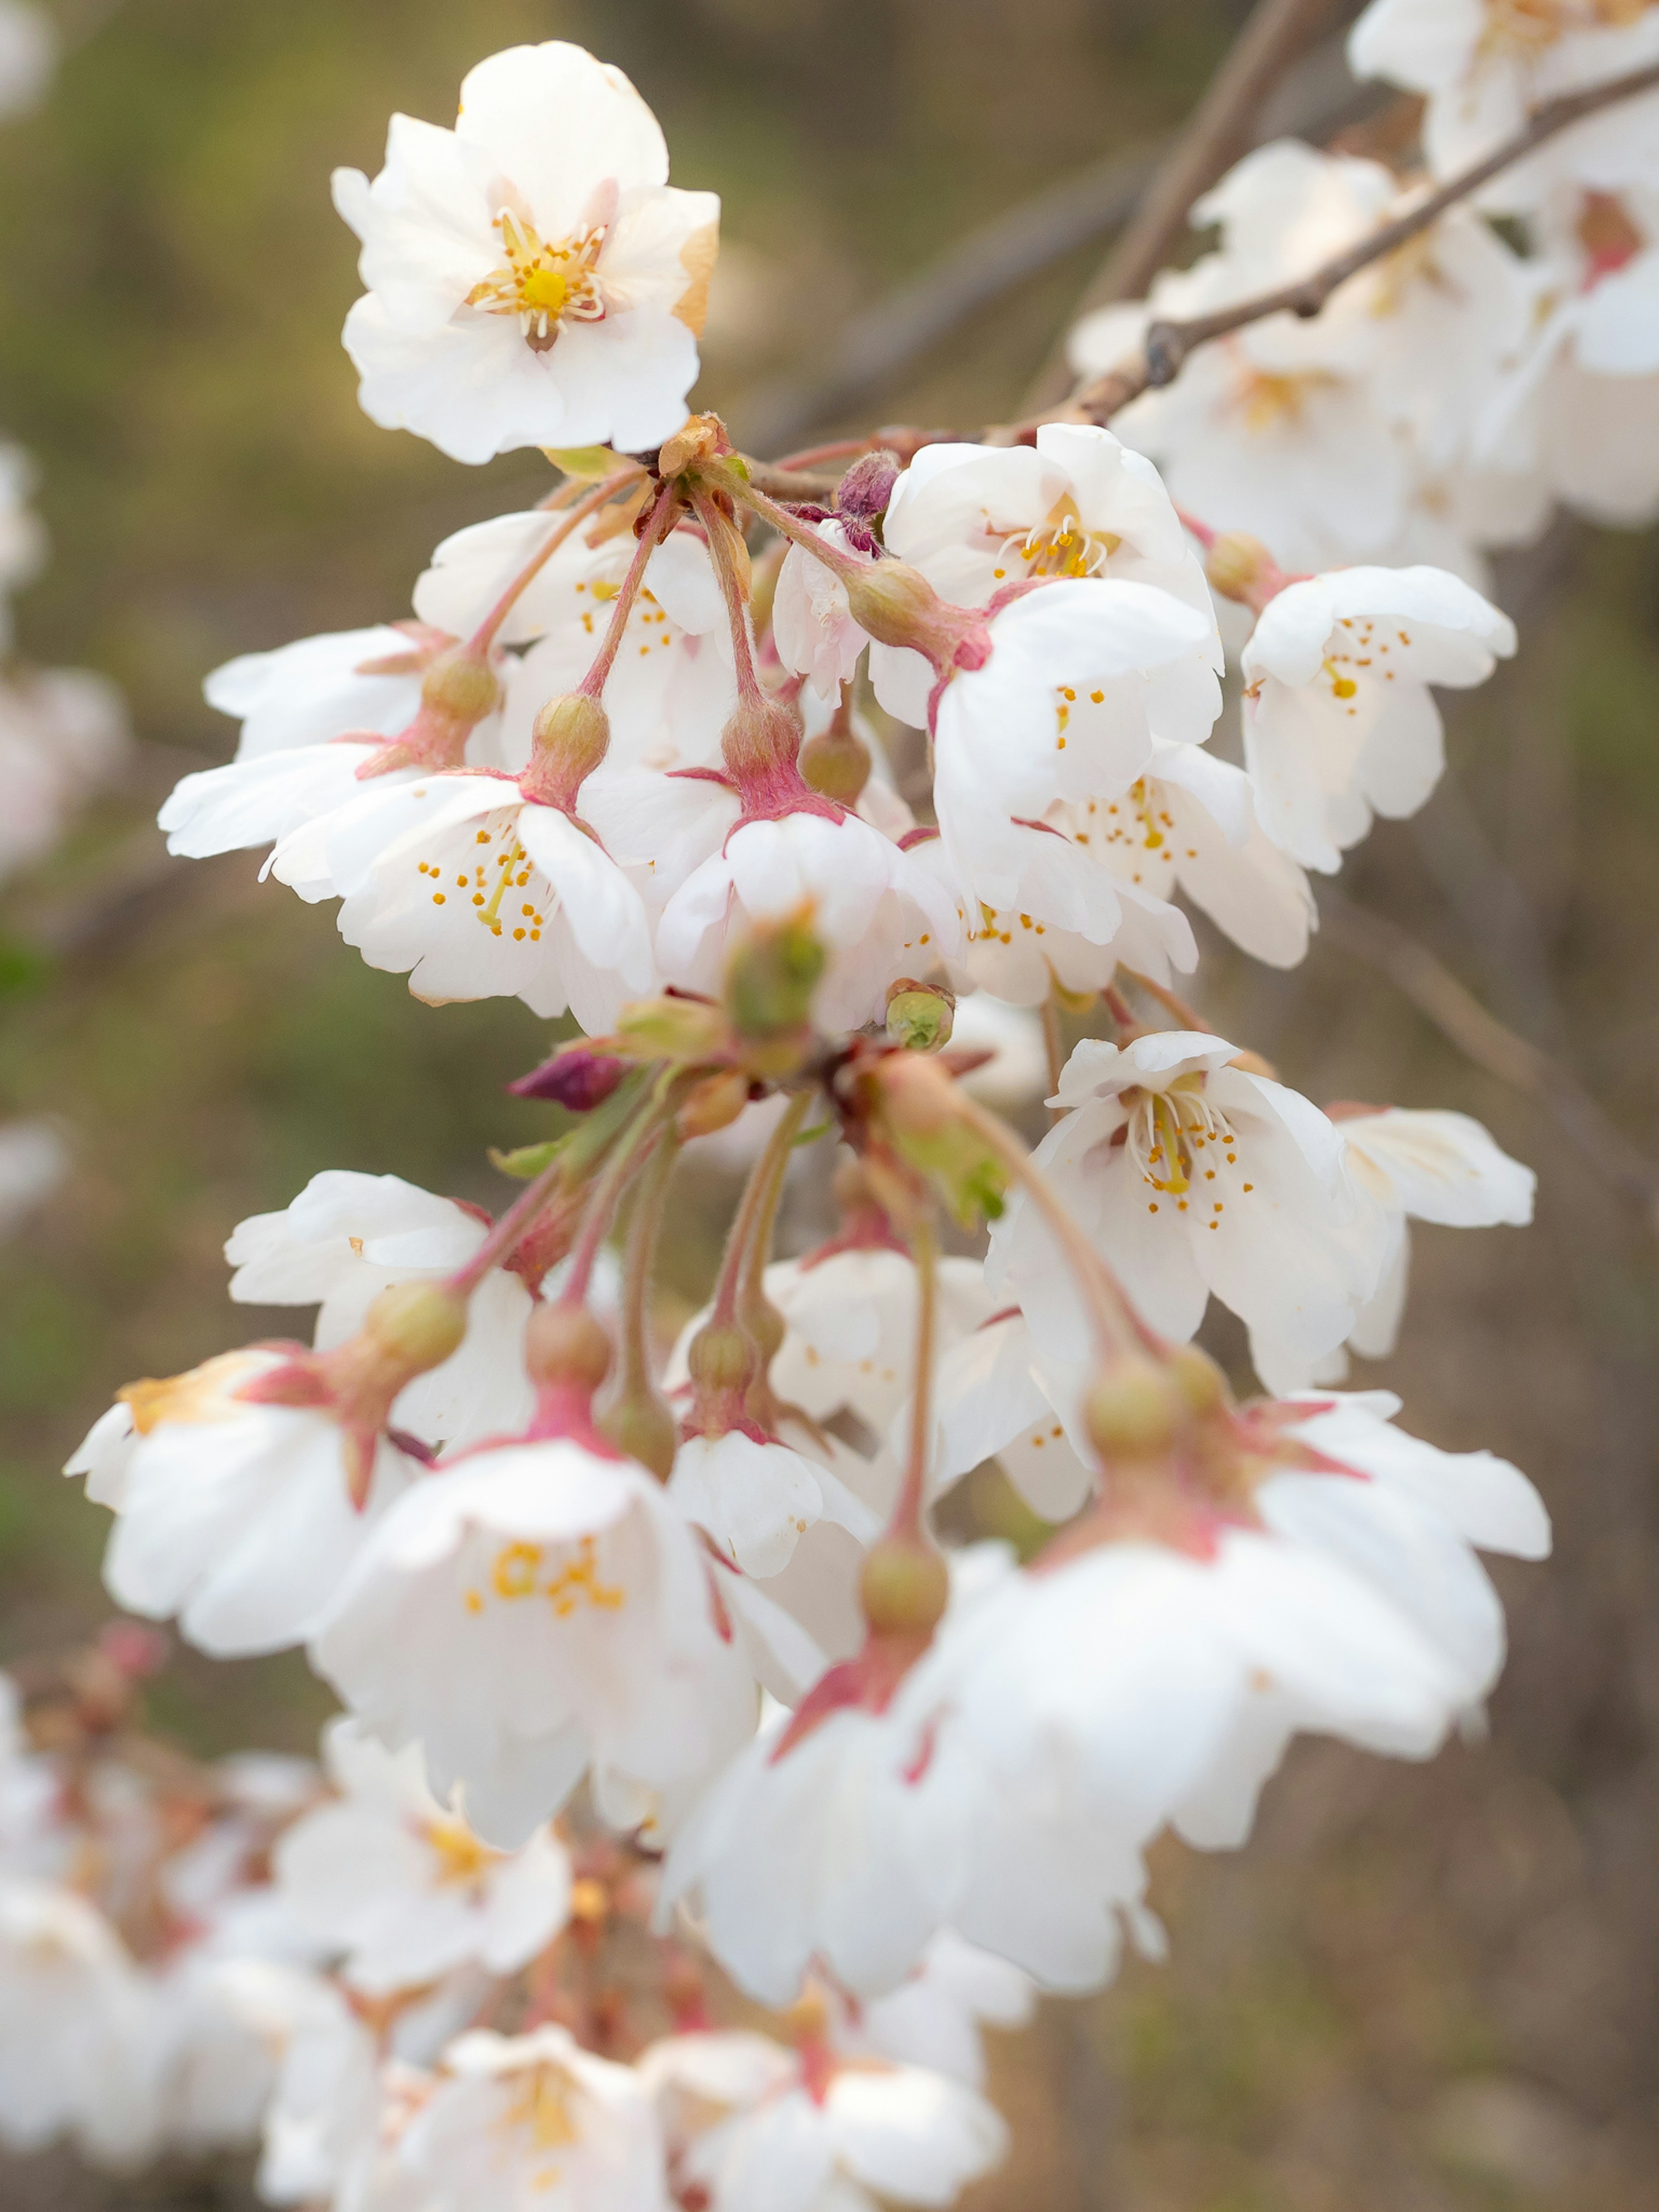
(650, 1663)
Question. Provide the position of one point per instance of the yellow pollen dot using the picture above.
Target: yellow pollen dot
(437, 898)
(518, 934)
(482, 837)
(1152, 1206)
(1249, 1186)
(474, 1600)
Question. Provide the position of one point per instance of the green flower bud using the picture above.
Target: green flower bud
(417, 1324)
(919, 1015)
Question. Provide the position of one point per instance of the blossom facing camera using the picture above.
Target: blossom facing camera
(532, 278)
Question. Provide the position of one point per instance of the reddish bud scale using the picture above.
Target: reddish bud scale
(577, 1079)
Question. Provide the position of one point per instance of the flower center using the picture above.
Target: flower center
(461, 1857)
(1060, 545)
(1169, 1130)
(541, 2108)
(544, 283)
(516, 1572)
(1529, 27)
(481, 885)
(1264, 402)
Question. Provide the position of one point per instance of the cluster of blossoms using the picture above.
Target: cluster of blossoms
(666, 1655)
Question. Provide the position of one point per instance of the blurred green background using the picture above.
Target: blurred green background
(1418, 1988)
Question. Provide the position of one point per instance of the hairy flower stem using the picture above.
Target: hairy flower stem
(907, 1523)
(1118, 1330)
(732, 591)
(569, 1165)
(656, 529)
(756, 1211)
(614, 1177)
(484, 636)
(1170, 1002)
(637, 1417)
(844, 565)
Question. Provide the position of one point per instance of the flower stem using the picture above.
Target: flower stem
(626, 1156)
(753, 1208)
(844, 565)
(1168, 1000)
(715, 526)
(908, 1510)
(838, 449)
(651, 537)
(484, 636)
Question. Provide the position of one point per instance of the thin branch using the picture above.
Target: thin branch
(1274, 35)
(1167, 345)
(1459, 1016)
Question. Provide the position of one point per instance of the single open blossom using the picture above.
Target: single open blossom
(402, 1885)
(319, 718)
(520, 2122)
(1485, 64)
(812, 624)
(1579, 413)
(999, 1396)
(1339, 719)
(233, 1513)
(976, 520)
(1419, 1166)
(756, 1498)
(1083, 677)
(533, 279)
(478, 890)
(878, 915)
(934, 2020)
(347, 1238)
(63, 733)
(534, 1609)
(761, 2128)
(672, 685)
(1193, 1176)
(78, 2055)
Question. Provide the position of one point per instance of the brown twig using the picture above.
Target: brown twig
(1168, 345)
(1459, 1016)
(1275, 34)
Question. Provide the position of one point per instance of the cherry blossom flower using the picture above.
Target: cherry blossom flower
(1485, 64)
(34, 1161)
(878, 915)
(1339, 720)
(1219, 1182)
(812, 624)
(77, 2049)
(321, 2126)
(235, 1515)
(1083, 677)
(934, 2020)
(1418, 1166)
(807, 2134)
(997, 1397)
(479, 889)
(518, 2122)
(347, 1238)
(756, 1498)
(403, 1886)
(536, 1608)
(63, 733)
(533, 279)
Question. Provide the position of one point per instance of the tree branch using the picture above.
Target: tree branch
(1275, 34)
(1167, 344)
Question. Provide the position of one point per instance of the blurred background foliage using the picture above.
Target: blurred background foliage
(1429, 1990)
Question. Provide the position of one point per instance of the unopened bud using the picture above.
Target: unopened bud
(1237, 565)
(919, 1015)
(461, 686)
(903, 1588)
(893, 602)
(771, 977)
(577, 1079)
(571, 737)
(566, 1344)
(867, 487)
(713, 1104)
(419, 1324)
(1134, 1410)
(837, 763)
(720, 1357)
(1202, 1385)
